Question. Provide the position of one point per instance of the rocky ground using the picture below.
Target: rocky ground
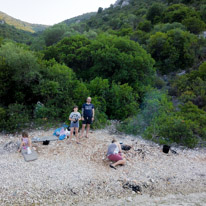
(79, 174)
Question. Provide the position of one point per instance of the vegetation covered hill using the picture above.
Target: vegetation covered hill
(17, 35)
(135, 59)
(79, 18)
(21, 25)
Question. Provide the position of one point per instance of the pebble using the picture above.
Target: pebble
(65, 173)
(129, 199)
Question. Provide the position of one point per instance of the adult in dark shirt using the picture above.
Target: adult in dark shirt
(87, 116)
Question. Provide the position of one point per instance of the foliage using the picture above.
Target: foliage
(155, 13)
(172, 128)
(158, 121)
(154, 103)
(168, 26)
(194, 25)
(198, 116)
(172, 50)
(192, 87)
(121, 101)
(18, 70)
(54, 34)
(17, 117)
(107, 55)
(116, 58)
(178, 12)
(21, 25)
(145, 26)
(10, 32)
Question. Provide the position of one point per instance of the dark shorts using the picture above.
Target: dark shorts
(87, 120)
(115, 157)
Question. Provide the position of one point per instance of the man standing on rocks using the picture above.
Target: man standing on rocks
(87, 116)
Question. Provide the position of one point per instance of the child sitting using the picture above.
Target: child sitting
(25, 141)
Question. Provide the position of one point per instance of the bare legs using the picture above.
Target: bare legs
(120, 162)
(76, 133)
(87, 130)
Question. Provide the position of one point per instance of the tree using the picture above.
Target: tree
(53, 34)
(145, 26)
(178, 12)
(155, 12)
(121, 101)
(120, 60)
(194, 25)
(74, 51)
(115, 58)
(172, 50)
(203, 12)
(100, 10)
(18, 71)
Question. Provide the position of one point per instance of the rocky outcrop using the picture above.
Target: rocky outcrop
(2, 22)
(121, 3)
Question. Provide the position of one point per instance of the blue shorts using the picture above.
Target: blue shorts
(74, 124)
(87, 120)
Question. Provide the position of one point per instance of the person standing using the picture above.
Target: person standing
(74, 117)
(87, 116)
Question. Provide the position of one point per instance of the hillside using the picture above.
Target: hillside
(145, 54)
(5, 18)
(17, 35)
(79, 18)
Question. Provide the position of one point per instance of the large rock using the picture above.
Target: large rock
(125, 3)
(121, 3)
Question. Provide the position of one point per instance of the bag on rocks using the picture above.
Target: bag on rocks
(126, 147)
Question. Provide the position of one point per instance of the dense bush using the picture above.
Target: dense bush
(55, 86)
(155, 12)
(108, 58)
(192, 87)
(17, 118)
(169, 128)
(154, 103)
(115, 58)
(194, 25)
(158, 121)
(178, 12)
(172, 50)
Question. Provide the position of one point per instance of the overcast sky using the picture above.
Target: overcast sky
(50, 11)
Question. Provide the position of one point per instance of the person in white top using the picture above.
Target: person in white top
(74, 117)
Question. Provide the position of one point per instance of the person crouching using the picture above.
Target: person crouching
(115, 154)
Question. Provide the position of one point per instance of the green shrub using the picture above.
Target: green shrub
(2, 118)
(191, 112)
(154, 103)
(155, 13)
(121, 101)
(100, 121)
(173, 50)
(194, 25)
(192, 87)
(173, 129)
(17, 117)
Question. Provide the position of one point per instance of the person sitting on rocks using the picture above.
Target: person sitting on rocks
(25, 141)
(115, 154)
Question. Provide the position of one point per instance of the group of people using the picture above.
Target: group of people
(114, 152)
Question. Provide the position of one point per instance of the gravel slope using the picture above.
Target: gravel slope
(72, 174)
